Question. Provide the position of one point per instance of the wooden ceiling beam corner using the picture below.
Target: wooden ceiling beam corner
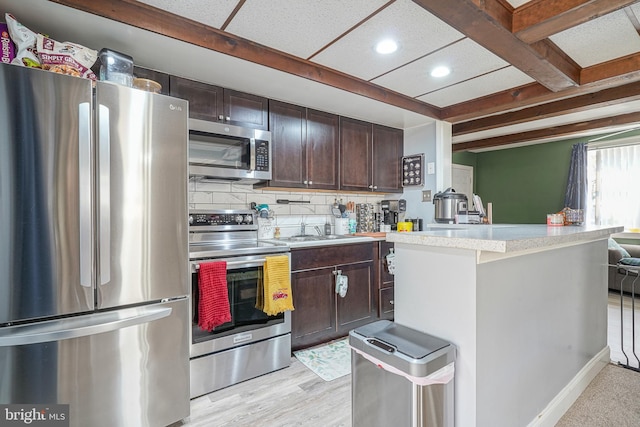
(539, 19)
(484, 22)
(625, 68)
(564, 131)
(146, 17)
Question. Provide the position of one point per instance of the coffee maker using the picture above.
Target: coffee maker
(390, 211)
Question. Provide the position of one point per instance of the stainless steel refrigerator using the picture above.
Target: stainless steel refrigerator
(93, 249)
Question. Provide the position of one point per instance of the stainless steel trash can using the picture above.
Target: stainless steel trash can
(400, 377)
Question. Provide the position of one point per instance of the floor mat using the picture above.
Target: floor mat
(328, 361)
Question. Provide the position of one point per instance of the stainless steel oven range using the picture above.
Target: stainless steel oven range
(252, 343)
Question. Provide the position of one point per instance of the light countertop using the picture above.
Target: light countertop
(501, 238)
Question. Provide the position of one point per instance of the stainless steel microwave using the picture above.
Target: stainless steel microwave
(219, 151)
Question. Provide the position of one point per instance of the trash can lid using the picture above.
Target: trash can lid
(412, 343)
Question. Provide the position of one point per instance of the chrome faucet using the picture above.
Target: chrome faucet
(318, 230)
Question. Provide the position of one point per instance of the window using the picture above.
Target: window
(614, 185)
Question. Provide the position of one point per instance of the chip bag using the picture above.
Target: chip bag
(66, 57)
(25, 41)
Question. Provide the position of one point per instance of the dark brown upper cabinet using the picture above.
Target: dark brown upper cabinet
(305, 147)
(387, 150)
(217, 104)
(370, 157)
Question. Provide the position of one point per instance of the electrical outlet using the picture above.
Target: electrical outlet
(426, 196)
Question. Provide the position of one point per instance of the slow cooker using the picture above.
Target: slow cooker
(448, 204)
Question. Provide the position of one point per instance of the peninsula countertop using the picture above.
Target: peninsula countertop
(501, 238)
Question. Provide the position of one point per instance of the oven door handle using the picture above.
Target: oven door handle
(235, 265)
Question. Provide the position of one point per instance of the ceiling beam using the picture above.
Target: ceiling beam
(603, 98)
(610, 74)
(558, 132)
(486, 23)
(143, 16)
(539, 19)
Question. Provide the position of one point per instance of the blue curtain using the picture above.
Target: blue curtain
(576, 195)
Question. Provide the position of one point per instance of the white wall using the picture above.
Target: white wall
(434, 140)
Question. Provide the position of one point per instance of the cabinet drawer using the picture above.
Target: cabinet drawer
(323, 256)
(386, 303)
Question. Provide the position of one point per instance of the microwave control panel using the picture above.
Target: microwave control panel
(262, 155)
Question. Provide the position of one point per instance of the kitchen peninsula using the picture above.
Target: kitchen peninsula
(525, 304)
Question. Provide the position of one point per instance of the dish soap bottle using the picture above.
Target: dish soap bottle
(327, 228)
(276, 233)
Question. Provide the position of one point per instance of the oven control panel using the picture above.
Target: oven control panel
(201, 219)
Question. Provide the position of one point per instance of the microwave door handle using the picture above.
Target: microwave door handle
(252, 158)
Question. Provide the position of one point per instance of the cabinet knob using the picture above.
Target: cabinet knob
(375, 187)
(228, 118)
(310, 182)
(305, 182)
(220, 117)
(371, 187)
(391, 302)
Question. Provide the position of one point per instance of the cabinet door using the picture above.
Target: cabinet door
(205, 101)
(245, 109)
(355, 155)
(323, 134)
(357, 307)
(387, 159)
(313, 321)
(162, 78)
(288, 137)
(386, 279)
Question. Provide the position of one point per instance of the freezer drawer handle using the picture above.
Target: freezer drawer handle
(80, 326)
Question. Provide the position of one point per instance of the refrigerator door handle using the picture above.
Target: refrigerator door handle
(104, 147)
(84, 187)
(81, 326)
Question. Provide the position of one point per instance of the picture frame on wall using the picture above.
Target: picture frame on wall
(413, 170)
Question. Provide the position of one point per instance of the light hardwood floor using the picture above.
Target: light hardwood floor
(295, 396)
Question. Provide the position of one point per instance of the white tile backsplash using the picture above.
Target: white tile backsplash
(228, 195)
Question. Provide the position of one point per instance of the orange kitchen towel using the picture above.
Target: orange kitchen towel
(213, 302)
(276, 295)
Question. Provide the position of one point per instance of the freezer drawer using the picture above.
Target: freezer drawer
(137, 375)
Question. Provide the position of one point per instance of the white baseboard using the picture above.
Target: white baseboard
(568, 395)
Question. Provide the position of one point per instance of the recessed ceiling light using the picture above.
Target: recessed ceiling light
(386, 46)
(440, 71)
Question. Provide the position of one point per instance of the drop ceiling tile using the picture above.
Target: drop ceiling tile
(497, 81)
(198, 10)
(416, 31)
(609, 37)
(517, 3)
(300, 27)
(466, 58)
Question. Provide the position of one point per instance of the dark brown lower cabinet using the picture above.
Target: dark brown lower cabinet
(384, 281)
(320, 314)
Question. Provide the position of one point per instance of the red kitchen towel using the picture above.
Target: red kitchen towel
(213, 304)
